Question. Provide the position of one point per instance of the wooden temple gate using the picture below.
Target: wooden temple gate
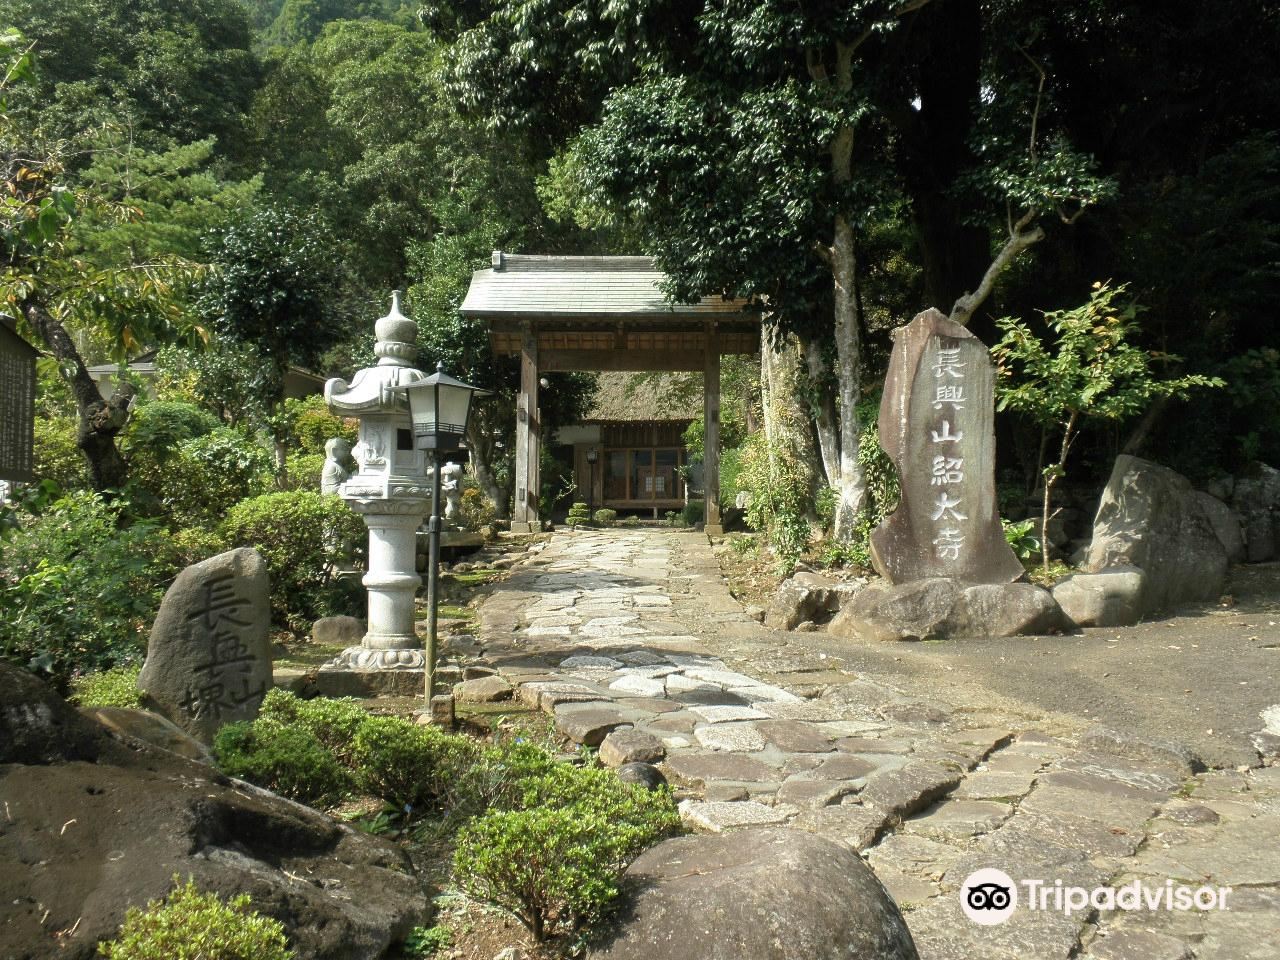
(597, 314)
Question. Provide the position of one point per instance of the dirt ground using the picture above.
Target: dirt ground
(1201, 675)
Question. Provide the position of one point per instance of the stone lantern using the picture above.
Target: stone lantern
(390, 490)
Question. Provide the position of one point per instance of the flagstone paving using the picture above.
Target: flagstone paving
(637, 631)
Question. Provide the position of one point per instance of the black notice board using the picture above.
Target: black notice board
(17, 405)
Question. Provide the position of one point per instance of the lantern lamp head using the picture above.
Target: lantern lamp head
(440, 407)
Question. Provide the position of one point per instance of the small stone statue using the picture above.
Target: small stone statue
(337, 453)
(451, 487)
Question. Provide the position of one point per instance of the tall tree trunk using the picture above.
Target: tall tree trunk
(852, 486)
(99, 420)
(823, 411)
(480, 442)
(786, 419)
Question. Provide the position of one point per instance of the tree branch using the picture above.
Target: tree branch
(962, 311)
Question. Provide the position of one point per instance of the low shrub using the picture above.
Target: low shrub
(578, 513)
(304, 537)
(56, 456)
(79, 587)
(193, 544)
(693, 513)
(553, 869)
(285, 758)
(556, 858)
(427, 941)
(190, 925)
(637, 817)
(605, 517)
(156, 428)
(496, 777)
(475, 509)
(303, 470)
(332, 721)
(407, 765)
(210, 474)
(117, 687)
(308, 424)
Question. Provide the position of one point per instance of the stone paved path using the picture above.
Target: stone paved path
(636, 631)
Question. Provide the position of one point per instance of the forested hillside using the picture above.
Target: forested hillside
(845, 164)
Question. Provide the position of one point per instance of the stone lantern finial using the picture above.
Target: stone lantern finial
(397, 337)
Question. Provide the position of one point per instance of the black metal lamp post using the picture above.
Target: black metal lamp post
(592, 455)
(439, 406)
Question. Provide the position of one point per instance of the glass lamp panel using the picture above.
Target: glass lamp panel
(454, 404)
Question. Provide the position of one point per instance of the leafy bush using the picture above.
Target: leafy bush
(693, 513)
(308, 424)
(496, 777)
(190, 925)
(605, 517)
(427, 941)
(779, 486)
(475, 509)
(78, 589)
(556, 860)
(290, 760)
(117, 687)
(193, 544)
(578, 513)
(551, 868)
(56, 456)
(730, 468)
(407, 765)
(304, 537)
(303, 471)
(210, 475)
(1020, 536)
(332, 721)
(157, 428)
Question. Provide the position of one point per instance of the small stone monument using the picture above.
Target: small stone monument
(209, 659)
(937, 424)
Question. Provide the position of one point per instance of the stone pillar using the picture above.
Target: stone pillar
(524, 516)
(711, 443)
(392, 580)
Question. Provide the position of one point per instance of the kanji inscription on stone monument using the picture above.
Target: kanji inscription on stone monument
(937, 425)
(209, 660)
(17, 405)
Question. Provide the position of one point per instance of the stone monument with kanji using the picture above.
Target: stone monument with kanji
(937, 425)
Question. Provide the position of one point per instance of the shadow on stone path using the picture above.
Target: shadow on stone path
(636, 630)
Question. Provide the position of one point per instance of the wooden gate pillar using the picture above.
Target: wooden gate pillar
(524, 518)
(711, 444)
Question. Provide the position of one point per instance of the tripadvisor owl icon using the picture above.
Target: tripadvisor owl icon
(988, 896)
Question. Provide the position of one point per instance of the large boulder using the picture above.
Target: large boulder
(209, 657)
(807, 596)
(1108, 598)
(149, 728)
(38, 726)
(96, 823)
(770, 894)
(939, 607)
(908, 611)
(1226, 524)
(1256, 498)
(1149, 518)
(1003, 610)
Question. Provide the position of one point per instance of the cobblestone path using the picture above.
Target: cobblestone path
(637, 631)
